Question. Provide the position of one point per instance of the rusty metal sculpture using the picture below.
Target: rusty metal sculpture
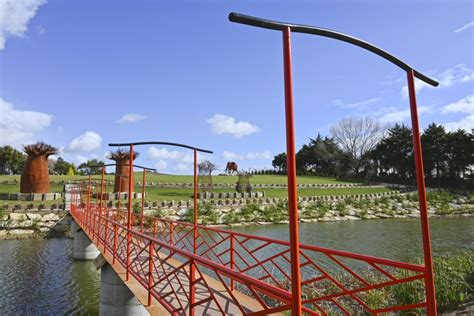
(122, 169)
(231, 167)
(35, 175)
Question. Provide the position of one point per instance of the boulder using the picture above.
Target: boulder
(182, 212)
(25, 224)
(33, 216)
(61, 228)
(18, 217)
(50, 217)
(22, 232)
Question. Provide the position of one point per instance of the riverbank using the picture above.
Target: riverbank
(441, 204)
(23, 224)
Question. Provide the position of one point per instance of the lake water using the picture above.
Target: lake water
(39, 277)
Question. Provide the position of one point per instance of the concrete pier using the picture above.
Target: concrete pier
(84, 249)
(115, 296)
(73, 228)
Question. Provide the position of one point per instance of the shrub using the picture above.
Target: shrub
(316, 210)
(341, 208)
(363, 213)
(231, 217)
(444, 209)
(454, 280)
(249, 212)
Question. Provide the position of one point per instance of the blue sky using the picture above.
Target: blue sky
(81, 74)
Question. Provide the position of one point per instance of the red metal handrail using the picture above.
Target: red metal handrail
(254, 265)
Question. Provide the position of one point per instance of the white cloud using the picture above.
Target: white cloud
(466, 123)
(448, 78)
(87, 142)
(228, 155)
(161, 165)
(182, 167)
(465, 105)
(397, 115)
(224, 124)
(464, 27)
(418, 86)
(14, 17)
(360, 104)
(131, 118)
(17, 126)
(154, 153)
(174, 160)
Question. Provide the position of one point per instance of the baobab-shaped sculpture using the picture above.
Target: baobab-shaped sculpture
(122, 168)
(35, 175)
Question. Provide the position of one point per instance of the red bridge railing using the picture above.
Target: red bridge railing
(243, 268)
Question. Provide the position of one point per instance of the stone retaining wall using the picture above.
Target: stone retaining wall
(30, 196)
(267, 201)
(110, 196)
(217, 185)
(227, 195)
(21, 224)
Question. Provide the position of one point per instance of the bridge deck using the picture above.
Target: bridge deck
(181, 279)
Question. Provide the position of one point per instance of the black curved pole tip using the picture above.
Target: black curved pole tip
(314, 30)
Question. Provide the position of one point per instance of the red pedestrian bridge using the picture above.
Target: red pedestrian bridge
(182, 268)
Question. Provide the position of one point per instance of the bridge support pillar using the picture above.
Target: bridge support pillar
(84, 248)
(73, 228)
(115, 296)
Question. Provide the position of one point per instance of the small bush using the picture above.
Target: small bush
(316, 210)
(342, 209)
(231, 217)
(363, 213)
(249, 212)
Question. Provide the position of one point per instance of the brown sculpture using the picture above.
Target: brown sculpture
(122, 160)
(35, 175)
(231, 167)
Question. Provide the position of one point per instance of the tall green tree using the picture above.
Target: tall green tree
(92, 166)
(434, 142)
(61, 166)
(279, 162)
(459, 151)
(12, 161)
(394, 154)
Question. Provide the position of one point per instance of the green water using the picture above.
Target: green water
(39, 277)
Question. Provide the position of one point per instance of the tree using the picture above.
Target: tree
(394, 154)
(357, 136)
(434, 142)
(12, 161)
(206, 167)
(279, 162)
(35, 176)
(92, 166)
(321, 156)
(61, 166)
(459, 153)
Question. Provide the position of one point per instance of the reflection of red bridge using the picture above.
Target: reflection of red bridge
(182, 268)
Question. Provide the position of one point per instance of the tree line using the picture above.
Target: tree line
(362, 148)
(12, 161)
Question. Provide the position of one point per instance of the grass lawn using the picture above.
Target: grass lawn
(257, 179)
(160, 194)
